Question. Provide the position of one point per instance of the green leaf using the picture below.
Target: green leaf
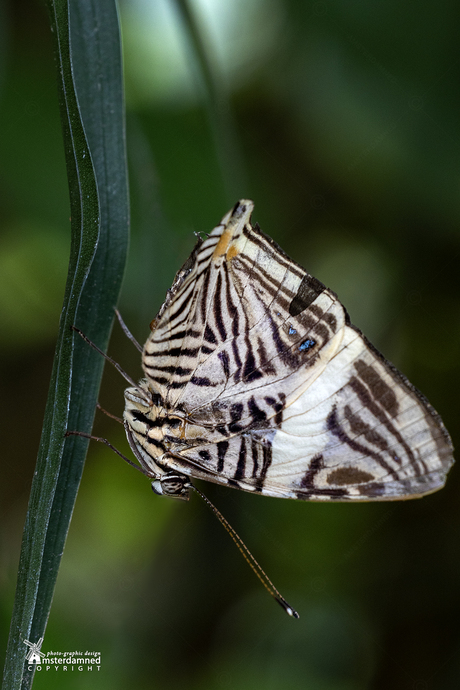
(88, 56)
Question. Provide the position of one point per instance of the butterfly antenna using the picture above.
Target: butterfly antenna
(127, 332)
(109, 359)
(247, 555)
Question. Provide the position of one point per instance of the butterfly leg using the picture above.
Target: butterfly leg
(107, 443)
(109, 359)
(127, 332)
(109, 414)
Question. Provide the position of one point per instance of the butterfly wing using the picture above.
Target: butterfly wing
(241, 320)
(288, 397)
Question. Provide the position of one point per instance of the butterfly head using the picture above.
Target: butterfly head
(173, 485)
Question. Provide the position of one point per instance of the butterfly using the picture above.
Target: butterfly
(256, 379)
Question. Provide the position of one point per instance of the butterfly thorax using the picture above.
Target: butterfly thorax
(156, 432)
(151, 425)
(152, 434)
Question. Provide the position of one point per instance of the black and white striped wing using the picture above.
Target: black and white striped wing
(282, 395)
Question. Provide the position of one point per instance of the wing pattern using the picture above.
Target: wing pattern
(259, 381)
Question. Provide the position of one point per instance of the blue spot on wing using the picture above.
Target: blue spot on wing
(307, 345)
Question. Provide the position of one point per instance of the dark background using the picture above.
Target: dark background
(343, 127)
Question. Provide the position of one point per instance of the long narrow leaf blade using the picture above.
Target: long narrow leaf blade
(88, 57)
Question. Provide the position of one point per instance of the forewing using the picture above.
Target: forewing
(244, 333)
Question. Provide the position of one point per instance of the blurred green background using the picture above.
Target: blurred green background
(341, 121)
